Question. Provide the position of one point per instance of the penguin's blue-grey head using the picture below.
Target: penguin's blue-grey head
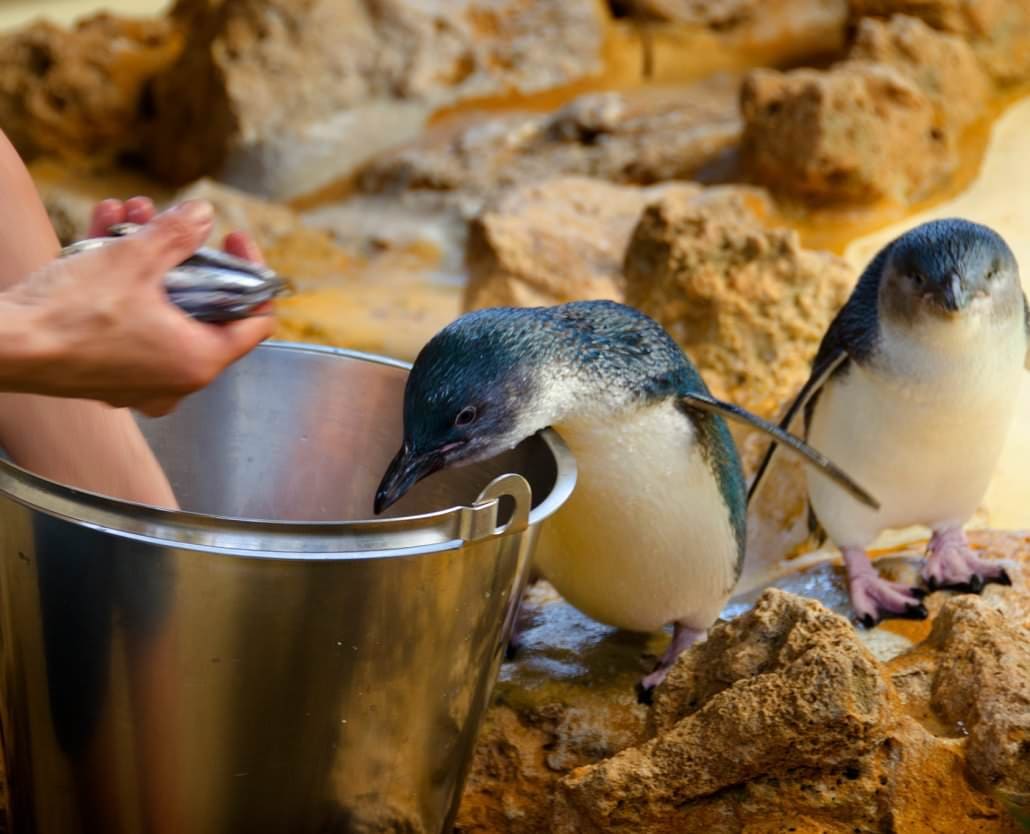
(470, 396)
(945, 269)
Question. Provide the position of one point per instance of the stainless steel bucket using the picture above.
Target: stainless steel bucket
(267, 660)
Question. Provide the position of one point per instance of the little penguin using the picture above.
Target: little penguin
(913, 391)
(654, 531)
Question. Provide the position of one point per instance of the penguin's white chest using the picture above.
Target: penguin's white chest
(922, 431)
(645, 539)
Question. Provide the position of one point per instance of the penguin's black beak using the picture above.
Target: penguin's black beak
(953, 294)
(405, 470)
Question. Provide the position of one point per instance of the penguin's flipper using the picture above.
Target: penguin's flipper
(705, 402)
(810, 389)
(815, 527)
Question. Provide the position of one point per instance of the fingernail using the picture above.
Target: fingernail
(199, 212)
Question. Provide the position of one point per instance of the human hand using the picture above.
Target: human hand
(140, 210)
(103, 328)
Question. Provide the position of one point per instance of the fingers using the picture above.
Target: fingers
(167, 240)
(241, 337)
(108, 213)
(105, 215)
(242, 245)
(139, 210)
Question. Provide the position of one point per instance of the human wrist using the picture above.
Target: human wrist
(27, 344)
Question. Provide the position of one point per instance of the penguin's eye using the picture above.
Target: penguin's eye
(466, 416)
(994, 271)
(918, 279)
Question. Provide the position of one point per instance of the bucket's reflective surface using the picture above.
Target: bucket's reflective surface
(296, 678)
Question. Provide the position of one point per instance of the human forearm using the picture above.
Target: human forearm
(76, 442)
(27, 240)
(80, 443)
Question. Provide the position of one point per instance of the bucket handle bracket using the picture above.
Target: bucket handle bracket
(480, 520)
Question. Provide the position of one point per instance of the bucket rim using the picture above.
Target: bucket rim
(356, 538)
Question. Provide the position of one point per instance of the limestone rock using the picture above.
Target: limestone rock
(282, 97)
(942, 65)
(859, 132)
(883, 125)
(79, 93)
(853, 742)
(998, 30)
(730, 16)
(771, 638)
(802, 703)
(644, 135)
(555, 241)
(983, 685)
(948, 15)
(747, 303)
(713, 14)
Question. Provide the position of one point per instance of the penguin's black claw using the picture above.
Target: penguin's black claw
(917, 592)
(511, 651)
(951, 565)
(915, 612)
(975, 585)
(912, 611)
(645, 694)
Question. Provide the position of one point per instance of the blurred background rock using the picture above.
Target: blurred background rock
(14, 13)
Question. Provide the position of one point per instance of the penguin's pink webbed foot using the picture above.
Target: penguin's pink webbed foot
(951, 565)
(683, 637)
(874, 598)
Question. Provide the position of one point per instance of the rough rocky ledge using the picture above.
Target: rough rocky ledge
(787, 718)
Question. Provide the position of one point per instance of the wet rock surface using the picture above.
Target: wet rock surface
(78, 94)
(281, 97)
(566, 701)
(787, 716)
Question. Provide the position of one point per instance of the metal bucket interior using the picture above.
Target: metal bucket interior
(315, 445)
(269, 659)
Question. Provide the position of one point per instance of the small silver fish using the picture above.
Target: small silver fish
(210, 286)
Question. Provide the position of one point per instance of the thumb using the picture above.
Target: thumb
(168, 239)
(241, 337)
